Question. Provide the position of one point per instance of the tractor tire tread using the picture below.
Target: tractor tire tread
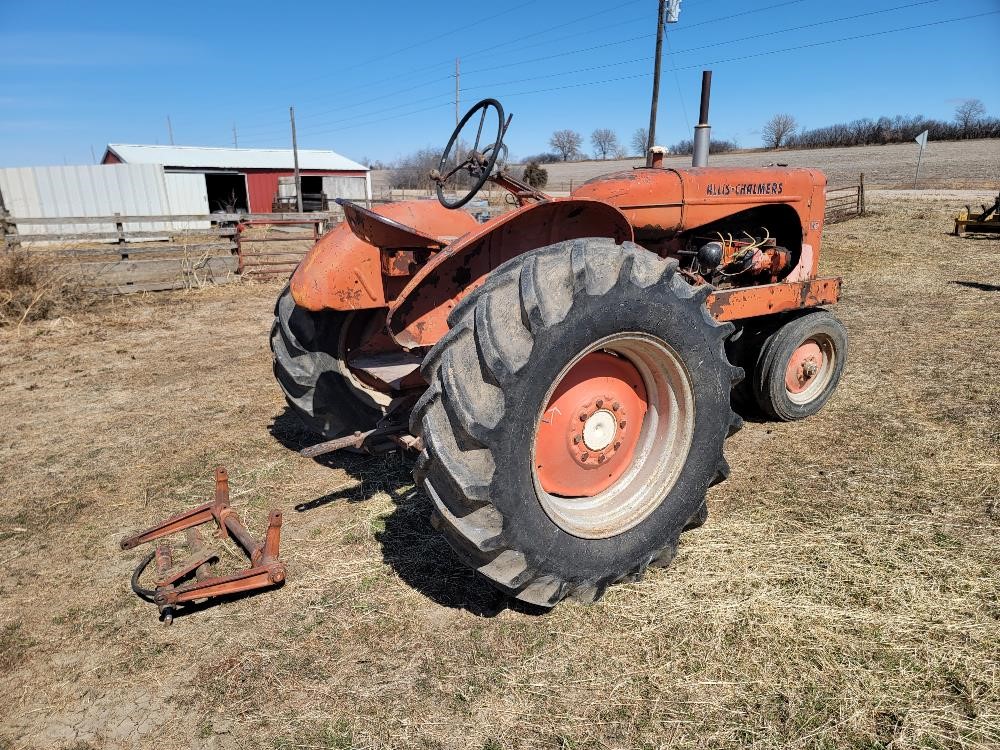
(489, 342)
(310, 374)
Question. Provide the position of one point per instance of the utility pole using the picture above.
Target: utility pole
(93, 156)
(457, 74)
(170, 130)
(295, 156)
(664, 14)
(236, 140)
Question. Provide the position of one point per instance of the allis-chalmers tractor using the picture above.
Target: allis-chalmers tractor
(566, 370)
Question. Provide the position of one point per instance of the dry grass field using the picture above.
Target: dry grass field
(948, 164)
(845, 592)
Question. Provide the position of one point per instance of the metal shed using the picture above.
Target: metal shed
(246, 178)
(99, 190)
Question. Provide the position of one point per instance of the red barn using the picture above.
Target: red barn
(246, 178)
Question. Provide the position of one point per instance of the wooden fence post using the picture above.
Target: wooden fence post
(861, 194)
(120, 228)
(4, 219)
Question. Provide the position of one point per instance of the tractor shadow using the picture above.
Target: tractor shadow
(979, 286)
(410, 545)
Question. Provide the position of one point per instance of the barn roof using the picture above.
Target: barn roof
(231, 158)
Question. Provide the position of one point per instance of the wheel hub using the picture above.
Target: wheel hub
(806, 361)
(599, 430)
(589, 429)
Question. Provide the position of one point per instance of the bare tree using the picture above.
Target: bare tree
(777, 130)
(413, 170)
(567, 143)
(640, 140)
(604, 142)
(969, 113)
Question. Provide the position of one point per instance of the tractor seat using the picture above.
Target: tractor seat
(384, 232)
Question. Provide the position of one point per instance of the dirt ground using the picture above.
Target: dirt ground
(844, 593)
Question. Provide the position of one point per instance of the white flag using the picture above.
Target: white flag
(922, 139)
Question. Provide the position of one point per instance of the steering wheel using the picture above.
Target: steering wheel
(478, 163)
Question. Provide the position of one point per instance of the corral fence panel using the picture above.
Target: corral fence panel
(115, 258)
(845, 202)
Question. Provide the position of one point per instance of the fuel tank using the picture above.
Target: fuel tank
(663, 202)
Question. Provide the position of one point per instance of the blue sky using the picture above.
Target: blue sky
(375, 80)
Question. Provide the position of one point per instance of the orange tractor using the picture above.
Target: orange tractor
(568, 370)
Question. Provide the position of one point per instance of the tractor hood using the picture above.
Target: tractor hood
(667, 201)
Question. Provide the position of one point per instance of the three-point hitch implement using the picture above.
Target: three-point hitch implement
(171, 590)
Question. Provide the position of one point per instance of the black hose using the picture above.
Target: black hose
(142, 593)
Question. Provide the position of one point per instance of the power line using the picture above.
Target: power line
(764, 53)
(677, 79)
(465, 27)
(717, 44)
(269, 129)
(440, 105)
(741, 57)
(323, 124)
(713, 44)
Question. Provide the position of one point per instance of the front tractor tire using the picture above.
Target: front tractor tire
(799, 366)
(309, 353)
(574, 420)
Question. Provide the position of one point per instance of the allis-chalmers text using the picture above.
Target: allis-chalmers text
(746, 188)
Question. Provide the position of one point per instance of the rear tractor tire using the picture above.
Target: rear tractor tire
(575, 418)
(309, 351)
(799, 366)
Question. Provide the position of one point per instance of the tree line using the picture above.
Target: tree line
(969, 121)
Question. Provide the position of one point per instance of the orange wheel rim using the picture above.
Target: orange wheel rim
(805, 364)
(588, 433)
(613, 435)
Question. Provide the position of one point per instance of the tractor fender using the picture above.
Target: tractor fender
(418, 317)
(340, 272)
(343, 270)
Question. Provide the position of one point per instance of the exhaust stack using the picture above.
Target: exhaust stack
(703, 131)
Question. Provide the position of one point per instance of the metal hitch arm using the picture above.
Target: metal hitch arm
(265, 569)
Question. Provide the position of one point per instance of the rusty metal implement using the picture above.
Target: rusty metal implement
(265, 569)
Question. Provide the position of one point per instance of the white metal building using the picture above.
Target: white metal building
(247, 178)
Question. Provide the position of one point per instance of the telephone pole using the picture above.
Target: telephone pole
(295, 156)
(170, 131)
(236, 140)
(667, 12)
(457, 74)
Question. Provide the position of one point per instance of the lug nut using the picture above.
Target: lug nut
(600, 403)
(576, 440)
(615, 406)
(622, 424)
(618, 445)
(585, 456)
(600, 458)
(583, 417)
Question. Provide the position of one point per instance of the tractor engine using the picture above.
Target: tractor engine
(727, 261)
